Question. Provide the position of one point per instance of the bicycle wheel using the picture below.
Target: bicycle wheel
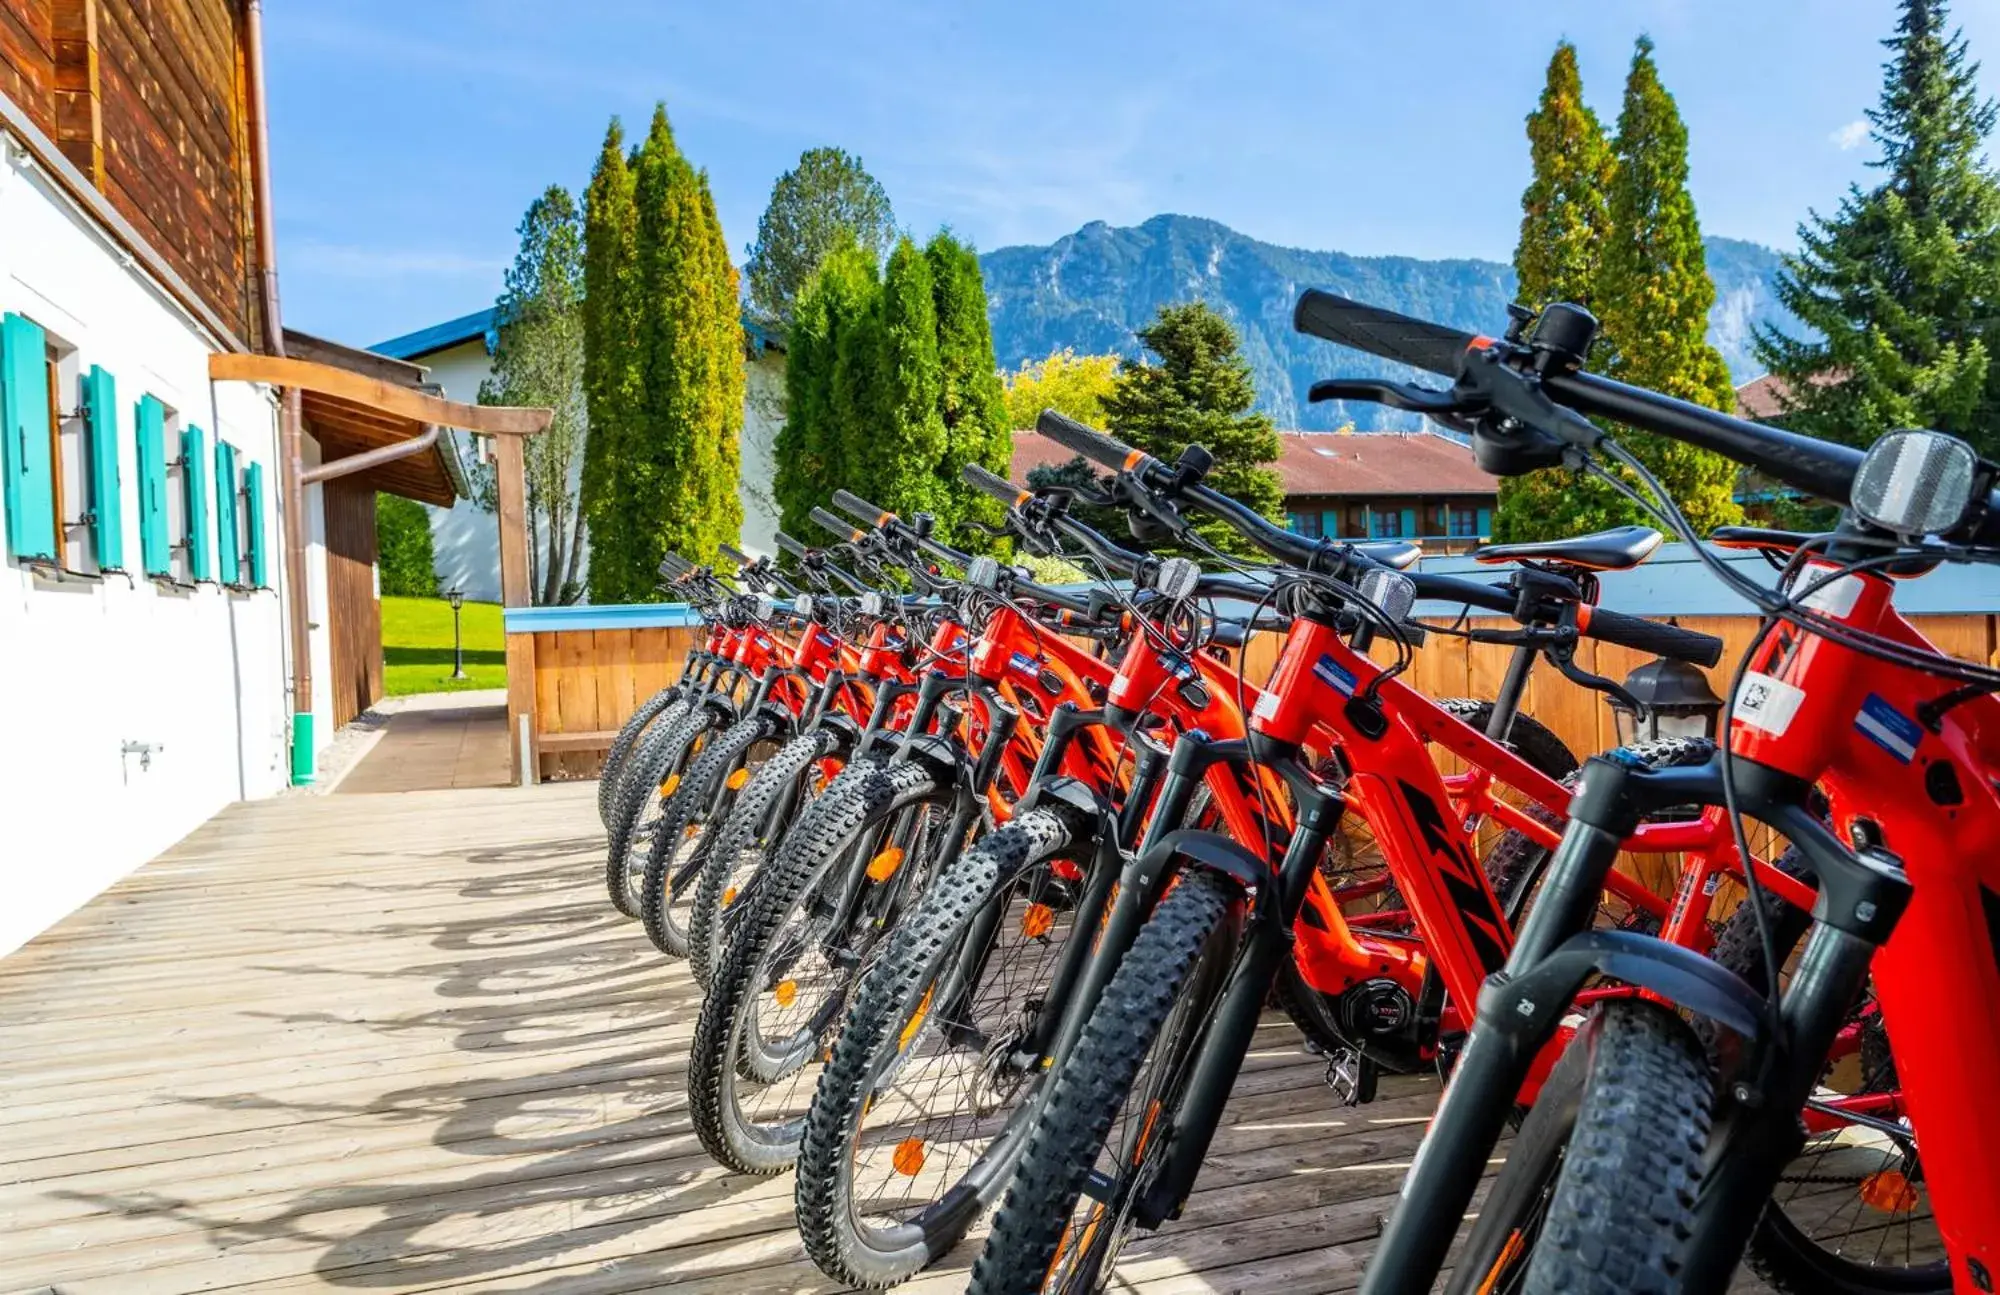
(1598, 1191)
(1851, 1214)
(1115, 1102)
(784, 980)
(762, 813)
(651, 774)
(686, 827)
(621, 746)
(915, 1119)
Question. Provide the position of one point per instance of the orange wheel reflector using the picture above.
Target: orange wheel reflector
(1888, 1191)
(737, 779)
(909, 1157)
(883, 866)
(667, 787)
(693, 830)
(728, 896)
(786, 992)
(916, 1021)
(1038, 921)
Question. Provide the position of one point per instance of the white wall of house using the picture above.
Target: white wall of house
(91, 668)
(465, 538)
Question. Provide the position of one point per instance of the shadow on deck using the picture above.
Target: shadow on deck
(401, 1042)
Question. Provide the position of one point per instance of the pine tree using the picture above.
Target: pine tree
(611, 372)
(826, 201)
(1653, 298)
(895, 463)
(970, 400)
(1902, 283)
(1565, 221)
(1199, 392)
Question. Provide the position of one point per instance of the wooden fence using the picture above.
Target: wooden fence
(576, 674)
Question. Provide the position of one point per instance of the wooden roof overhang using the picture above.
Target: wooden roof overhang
(352, 413)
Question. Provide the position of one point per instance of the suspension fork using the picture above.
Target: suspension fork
(1265, 943)
(876, 731)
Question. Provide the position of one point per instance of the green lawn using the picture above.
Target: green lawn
(416, 646)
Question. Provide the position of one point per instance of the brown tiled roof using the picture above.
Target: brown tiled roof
(1329, 463)
(1761, 397)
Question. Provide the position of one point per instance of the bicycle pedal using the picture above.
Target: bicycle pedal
(1352, 1076)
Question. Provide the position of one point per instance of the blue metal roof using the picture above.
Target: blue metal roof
(483, 323)
(439, 336)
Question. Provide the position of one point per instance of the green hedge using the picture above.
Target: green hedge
(403, 548)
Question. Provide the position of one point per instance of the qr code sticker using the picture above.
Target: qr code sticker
(1766, 703)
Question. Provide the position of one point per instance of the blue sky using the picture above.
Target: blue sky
(408, 138)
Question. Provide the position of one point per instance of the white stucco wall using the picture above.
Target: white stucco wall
(87, 666)
(466, 539)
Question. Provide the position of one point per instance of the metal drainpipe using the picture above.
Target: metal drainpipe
(291, 461)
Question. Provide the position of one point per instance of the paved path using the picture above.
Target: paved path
(436, 742)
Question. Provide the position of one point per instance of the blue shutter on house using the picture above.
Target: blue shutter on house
(1330, 525)
(1409, 530)
(228, 538)
(150, 436)
(1485, 523)
(107, 509)
(194, 474)
(29, 495)
(253, 510)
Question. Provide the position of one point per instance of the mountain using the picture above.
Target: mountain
(1091, 289)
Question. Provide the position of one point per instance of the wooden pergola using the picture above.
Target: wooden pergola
(383, 435)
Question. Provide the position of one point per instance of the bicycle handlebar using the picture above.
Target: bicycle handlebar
(792, 546)
(994, 485)
(1656, 637)
(859, 508)
(736, 555)
(1415, 342)
(834, 524)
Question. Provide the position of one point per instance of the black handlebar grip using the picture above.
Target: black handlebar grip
(993, 484)
(734, 554)
(673, 566)
(791, 546)
(834, 524)
(1657, 637)
(1415, 342)
(857, 506)
(1092, 444)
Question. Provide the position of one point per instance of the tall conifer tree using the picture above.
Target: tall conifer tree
(1565, 220)
(899, 460)
(812, 451)
(971, 401)
(611, 372)
(1902, 282)
(1653, 298)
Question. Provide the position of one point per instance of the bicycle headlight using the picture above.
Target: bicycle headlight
(1176, 578)
(982, 571)
(802, 605)
(1915, 483)
(1392, 591)
(871, 604)
(766, 606)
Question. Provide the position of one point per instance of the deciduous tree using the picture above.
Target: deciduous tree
(1063, 381)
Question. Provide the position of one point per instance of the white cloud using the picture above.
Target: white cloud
(1851, 136)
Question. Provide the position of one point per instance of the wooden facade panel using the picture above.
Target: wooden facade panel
(354, 616)
(146, 98)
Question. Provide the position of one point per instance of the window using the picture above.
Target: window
(27, 441)
(1463, 523)
(1391, 524)
(85, 470)
(1306, 524)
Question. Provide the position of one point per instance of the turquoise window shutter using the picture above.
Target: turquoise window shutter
(1409, 523)
(1329, 523)
(194, 480)
(253, 508)
(29, 496)
(151, 439)
(228, 538)
(107, 508)
(1485, 522)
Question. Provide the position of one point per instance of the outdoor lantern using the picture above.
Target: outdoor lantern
(457, 597)
(1677, 702)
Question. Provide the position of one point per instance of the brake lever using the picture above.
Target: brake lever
(1396, 395)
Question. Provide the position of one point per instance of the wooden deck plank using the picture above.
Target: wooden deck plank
(399, 1042)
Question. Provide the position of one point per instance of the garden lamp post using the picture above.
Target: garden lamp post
(457, 597)
(1677, 702)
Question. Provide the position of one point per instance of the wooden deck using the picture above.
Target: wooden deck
(400, 1042)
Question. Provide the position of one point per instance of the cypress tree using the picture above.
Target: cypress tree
(611, 373)
(1565, 220)
(971, 401)
(1653, 298)
(898, 459)
(1199, 392)
(1902, 283)
(812, 448)
(692, 364)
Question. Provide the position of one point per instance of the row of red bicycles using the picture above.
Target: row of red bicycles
(988, 884)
